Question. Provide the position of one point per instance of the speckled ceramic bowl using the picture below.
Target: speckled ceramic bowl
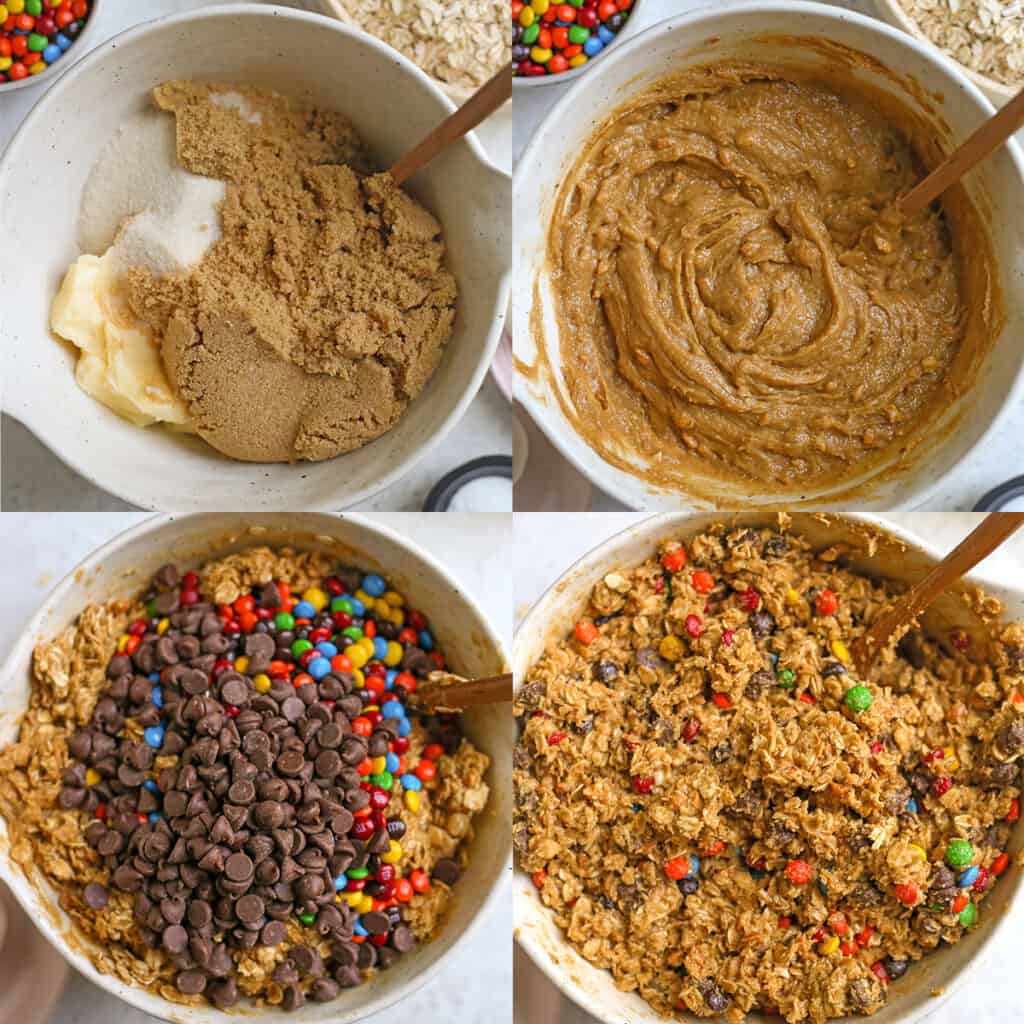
(901, 555)
(121, 567)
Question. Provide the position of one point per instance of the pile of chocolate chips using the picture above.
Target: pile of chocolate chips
(252, 825)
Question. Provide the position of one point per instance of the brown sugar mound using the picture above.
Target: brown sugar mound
(325, 304)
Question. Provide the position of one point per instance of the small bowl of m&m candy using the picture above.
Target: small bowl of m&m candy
(554, 42)
(36, 35)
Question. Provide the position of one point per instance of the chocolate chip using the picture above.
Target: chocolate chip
(80, 744)
(307, 960)
(118, 666)
(402, 939)
(353, 749)
(324, 990)
(110, 843)
(376, 923)
(95, 896)
(447, 871)
(235, 692)
(126, 878)
(328, 764)
(273, 933)
(174, 938)
(348, 975)
(292, 708)
(223, 993)
(269, 813)
(167, 576)
(249, 909)
(238, 867)
(191, 983)
(166, 604)
(285, 973)
(293, 998)
(194, 682)
(71, 797)
(758, 683)
(895, 968)
(200, 913)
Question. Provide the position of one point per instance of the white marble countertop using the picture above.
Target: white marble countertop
(975, 477)
(554, 542)
(475, 986)
(35, 479)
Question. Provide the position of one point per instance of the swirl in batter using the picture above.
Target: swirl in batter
(735, 293)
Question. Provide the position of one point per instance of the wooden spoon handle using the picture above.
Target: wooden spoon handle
(978, 544)
(989, 137)
(465, 692)
(482, 103)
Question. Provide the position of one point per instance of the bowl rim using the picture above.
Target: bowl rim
(149, 530)
(54, 71)
(101, 472)
(626, 32)
(560, 972)
(567, 442)
(912, 28)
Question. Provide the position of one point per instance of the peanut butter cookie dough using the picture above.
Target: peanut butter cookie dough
(226, 804)
(325, 305)
(735, 297)
(721, 814)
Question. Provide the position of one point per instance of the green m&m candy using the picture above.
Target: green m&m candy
(959, 853)
(858, 699)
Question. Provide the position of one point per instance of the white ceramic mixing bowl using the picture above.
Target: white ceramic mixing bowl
(392, 103)
(901, 556)
(745, 30)
(123, 566)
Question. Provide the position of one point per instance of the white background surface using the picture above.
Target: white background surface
(549, 544)
(35, 479)
(475, 987)
(998, 461)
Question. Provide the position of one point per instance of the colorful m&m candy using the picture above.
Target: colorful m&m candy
(550, 38)
(35, 34)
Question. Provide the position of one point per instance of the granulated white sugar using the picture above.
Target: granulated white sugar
(485, 494)
(236, 101)
(167, 217)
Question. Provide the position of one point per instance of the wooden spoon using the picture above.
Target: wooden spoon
(451, 693)
(989, 137)
(481, 104)
(978, 544)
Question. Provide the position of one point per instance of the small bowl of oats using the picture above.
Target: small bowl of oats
(985, 37)
(459, 43)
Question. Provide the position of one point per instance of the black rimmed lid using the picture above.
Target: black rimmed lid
(441, 494)
(1001, 496)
